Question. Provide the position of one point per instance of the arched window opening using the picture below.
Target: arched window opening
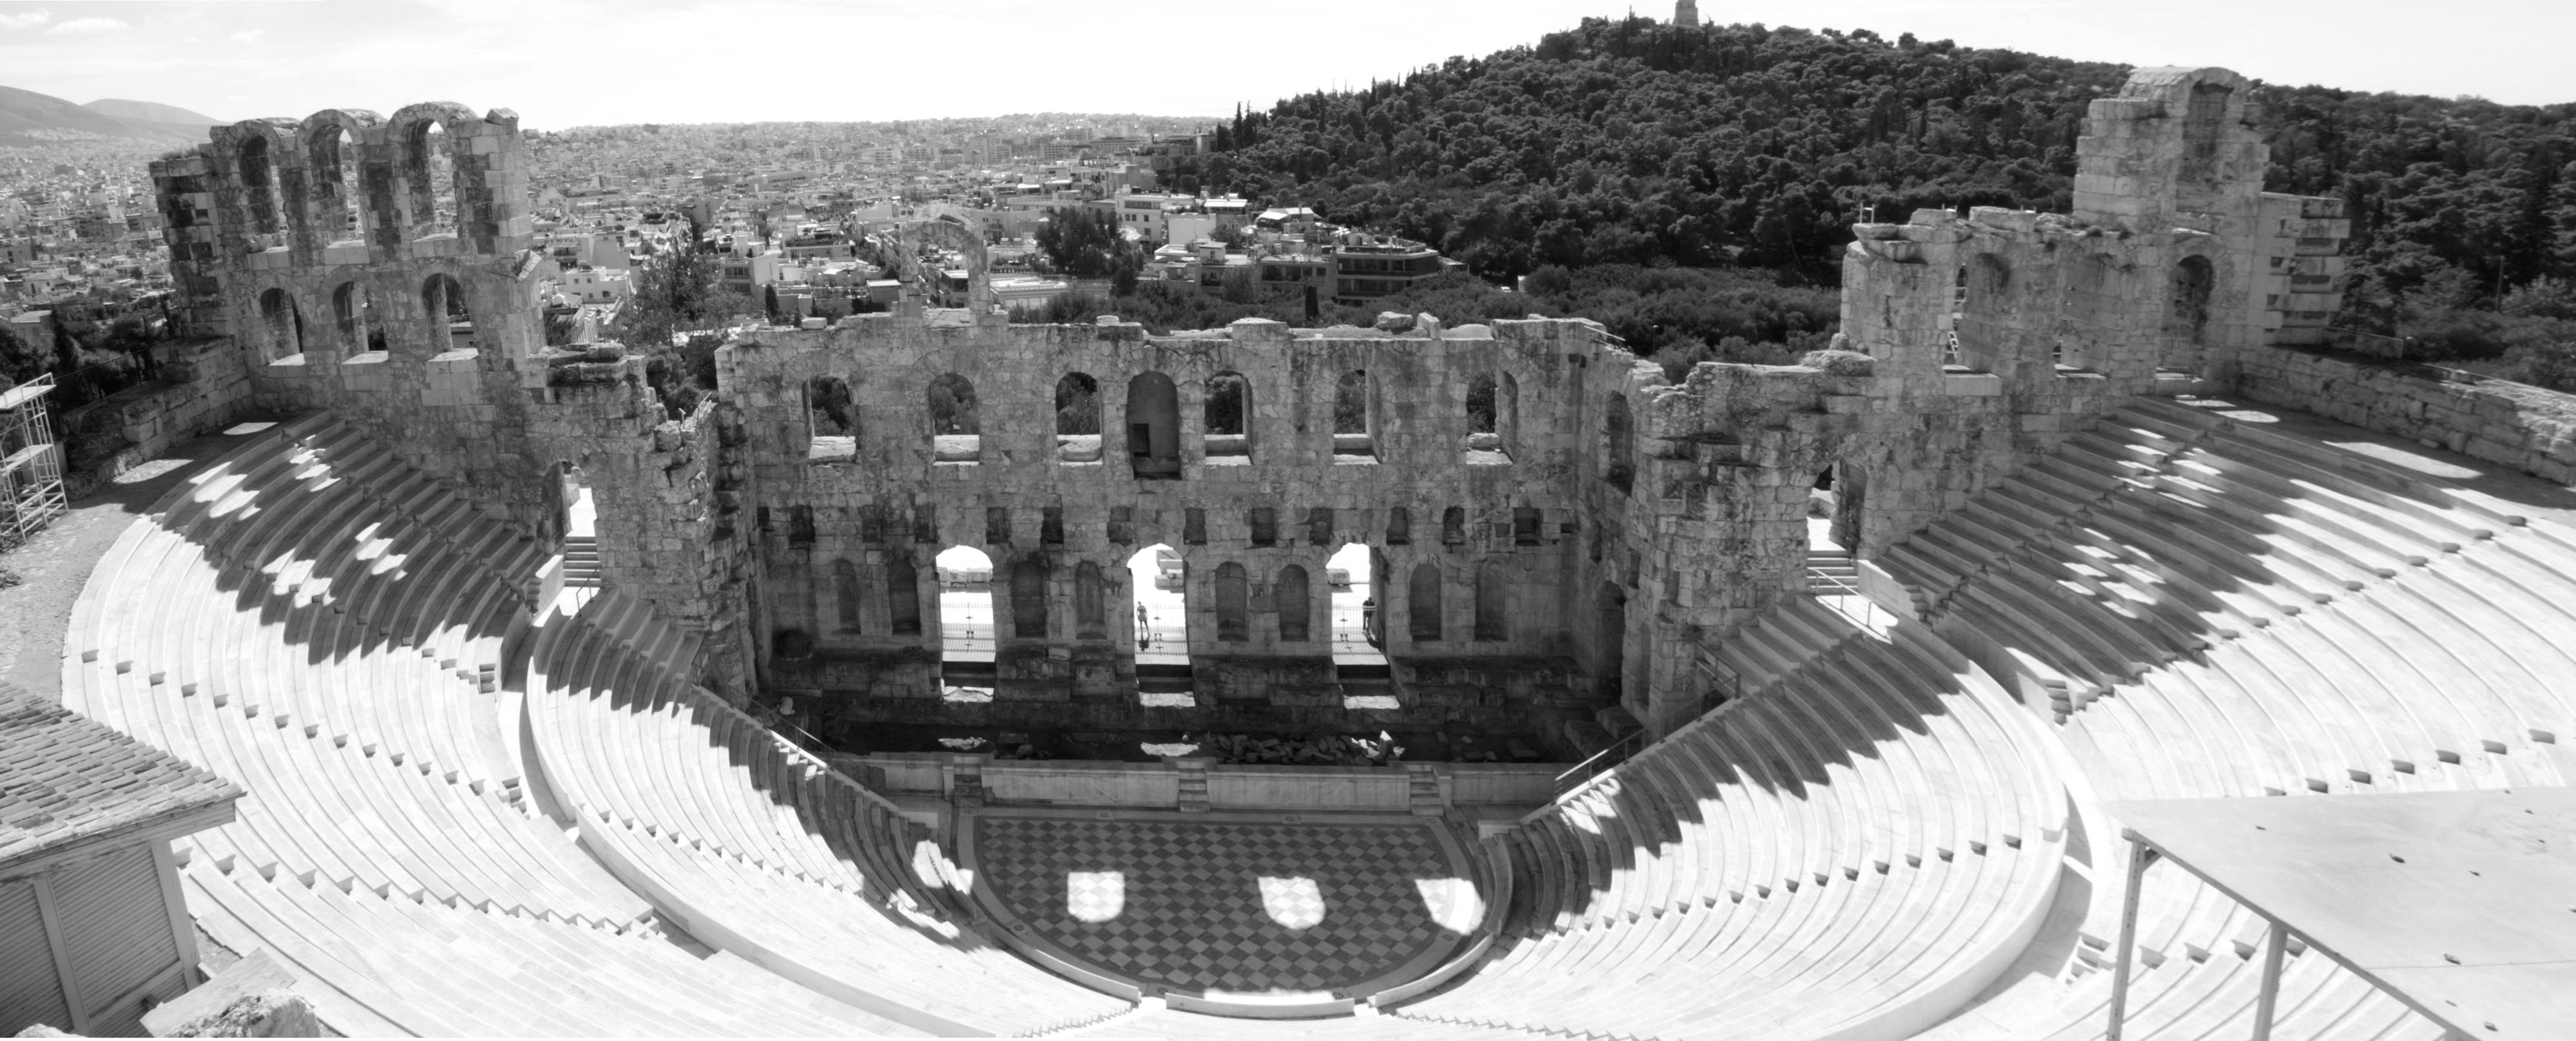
(2187, 300)
(353, 314)
(1228, 437)
(259, 188)
(845, 596)
(956, 430)
(1979, 318)
(831, 421)
(903, 596)
(1029, 581)
(339, 197)
(1295, 607)
(1493, 604)
(1090, 602)
(1354, 417)
(1077, 419)
(1233, 601)
(1620, 438)
(1610, 642)
(451, 322)
(430, 172)
(1153, 427)
(1486, 445)
(966, 617)
(282, 327)
(1453, 526)
(1422, 603)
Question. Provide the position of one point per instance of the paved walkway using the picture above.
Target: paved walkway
(1241, 904)
(36, 613)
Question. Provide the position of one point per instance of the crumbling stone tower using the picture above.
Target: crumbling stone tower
(2173, 263)
(381, 268)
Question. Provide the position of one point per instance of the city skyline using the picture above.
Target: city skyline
(566, 63)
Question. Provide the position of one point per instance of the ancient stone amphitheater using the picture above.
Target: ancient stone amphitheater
(2094, 539)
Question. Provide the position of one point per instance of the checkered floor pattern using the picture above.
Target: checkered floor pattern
(1237, 907)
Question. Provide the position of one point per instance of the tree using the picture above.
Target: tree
(1082, 241)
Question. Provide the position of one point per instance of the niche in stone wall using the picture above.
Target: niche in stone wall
(1233, 602)
(1295, 605)
(1153, 427)
(2204, 130)
(1264, 522)
(831, 421)
(1090, 603)
(2094, 302)
(1228, 415)
(903, 596)
(1525, 522)
(1399, 526)
(1493, 603)
(1029, 600)
(956, 424)
(997, 525)
(1194, 526)
(1077, 418)
(1319, 526)
(1619, 445)
(845, 596)
(2186, 324)
(1422, 603)
(1051, 526)
(1453, 526)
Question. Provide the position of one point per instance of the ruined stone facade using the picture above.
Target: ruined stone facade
(1584, 553)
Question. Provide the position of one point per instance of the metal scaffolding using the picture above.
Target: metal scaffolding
(31, 464)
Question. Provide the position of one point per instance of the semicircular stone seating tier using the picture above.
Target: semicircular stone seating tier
(2216, 600)
(316, 621)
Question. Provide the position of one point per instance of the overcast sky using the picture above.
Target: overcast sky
(564, 63)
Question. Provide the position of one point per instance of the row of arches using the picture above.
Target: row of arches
(355, 324)
(1294, 598)
(327, 187)
(1151, 420)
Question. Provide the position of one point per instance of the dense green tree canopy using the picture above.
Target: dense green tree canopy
(1639, 142)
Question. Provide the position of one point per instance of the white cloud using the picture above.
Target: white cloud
(85, 26)
(247, 35)
(28, 20)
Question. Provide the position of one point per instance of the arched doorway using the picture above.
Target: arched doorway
(1160, 613)
(966, 624)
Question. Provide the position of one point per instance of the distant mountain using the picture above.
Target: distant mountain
(151, 113)
(29, 118)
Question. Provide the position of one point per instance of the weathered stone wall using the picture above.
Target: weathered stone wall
(886, 500)
(2519, 425)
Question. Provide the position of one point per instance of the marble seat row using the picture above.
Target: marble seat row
(1839, 846)
(392, 965)
(754, 847)
(2253, 613)
(312, 645)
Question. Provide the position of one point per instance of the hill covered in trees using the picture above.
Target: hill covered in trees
(1633, 141)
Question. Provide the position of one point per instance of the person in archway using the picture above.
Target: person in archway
(1144, 636)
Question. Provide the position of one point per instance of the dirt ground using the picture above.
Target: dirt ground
(52, 567)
